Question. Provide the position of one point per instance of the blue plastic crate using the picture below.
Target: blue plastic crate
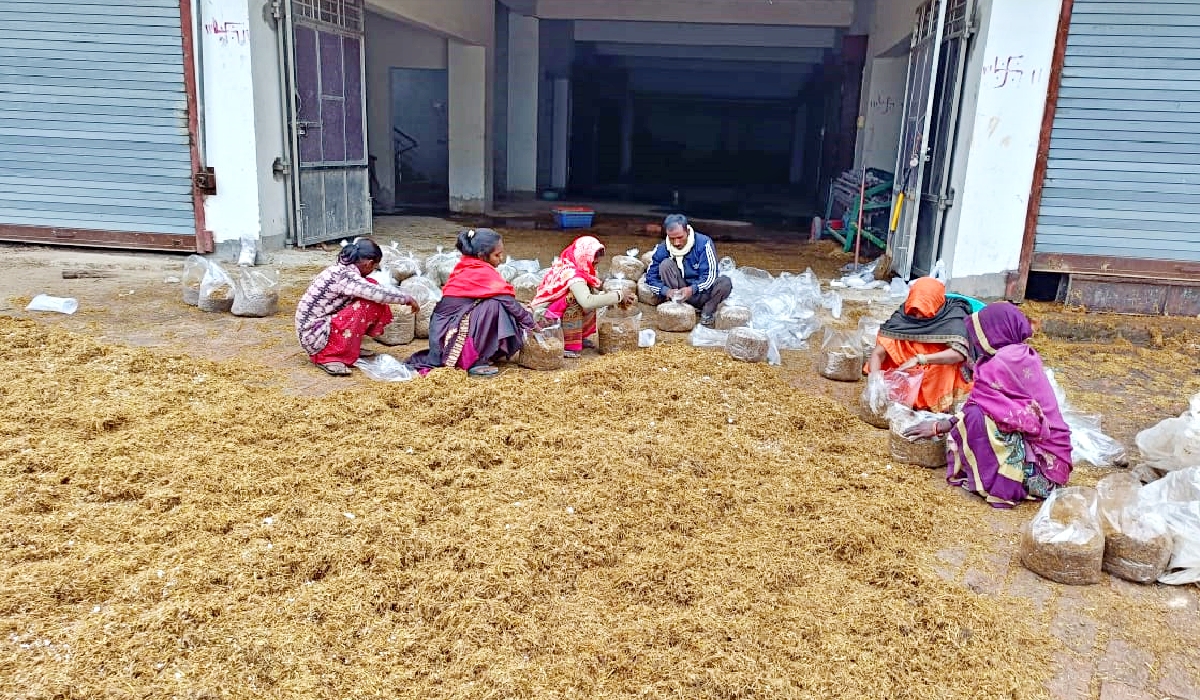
(574, 217)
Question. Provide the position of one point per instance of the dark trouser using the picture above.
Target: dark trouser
(708, 301)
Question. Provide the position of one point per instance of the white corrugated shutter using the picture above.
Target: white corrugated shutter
(94, 117)
(1123, 177)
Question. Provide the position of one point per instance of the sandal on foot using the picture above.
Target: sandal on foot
(589, 344)
(335, 369)
(483, 371)
(572, 355)
(364, 354)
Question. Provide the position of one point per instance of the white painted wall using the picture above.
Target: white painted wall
(392, 44)
(229, 120)
(269, 128)
(890, 23)
(884, 113)
(469, 162)
(524, 75)
(1008, 77)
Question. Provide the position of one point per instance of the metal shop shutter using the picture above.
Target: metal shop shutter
(1123, 177)
(94, 137)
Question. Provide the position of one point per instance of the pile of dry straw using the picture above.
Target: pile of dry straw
(647, 525)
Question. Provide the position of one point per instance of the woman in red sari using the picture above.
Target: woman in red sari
(479, 319)
(568, 292)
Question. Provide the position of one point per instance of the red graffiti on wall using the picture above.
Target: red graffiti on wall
(228, 31)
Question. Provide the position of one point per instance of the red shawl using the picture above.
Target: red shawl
(473, 278)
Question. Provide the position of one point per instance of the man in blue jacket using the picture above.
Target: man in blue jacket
(685, 268)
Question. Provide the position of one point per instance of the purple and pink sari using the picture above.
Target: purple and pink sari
(1009, 442)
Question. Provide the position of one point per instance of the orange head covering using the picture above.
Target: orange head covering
(926, 297)
(578, 260)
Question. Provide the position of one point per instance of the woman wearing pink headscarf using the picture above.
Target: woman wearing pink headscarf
(569, 292)
(1010, 442)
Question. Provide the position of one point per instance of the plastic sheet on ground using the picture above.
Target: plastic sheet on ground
(1176, 498)
(385, 368)
(785, 307)
(1174, 443)
(1088, 442)
(862, 277)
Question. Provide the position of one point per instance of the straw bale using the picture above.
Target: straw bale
(174, 527)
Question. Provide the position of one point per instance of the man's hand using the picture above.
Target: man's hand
(412, 304)
(681, 294)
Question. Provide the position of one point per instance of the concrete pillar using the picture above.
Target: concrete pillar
(798, 138)
(562, 132)
(523, 78)
(1008, 76)
(242, 125)
(469, 161)
(627, 137)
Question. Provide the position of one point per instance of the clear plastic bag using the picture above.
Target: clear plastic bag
(703, 337)
(646, 295)
(439, 265)
(868, 333)
(626, 267)
(1174, 443)
(1089, 444)
(405, 266)
(617, 330)
(621, 285)
(749, 345)
(726, 265)
(1137, 542)
(922, 452)
(194, 268)
(216, 290)
(1176, 499)
(385, 368)
(675, 317)
(886, 388)
(733, 315)
(543, 350)
(1065, 541)
(401, 330)
(526, 286)
(427, 294)
(841, 357)
(256, 294)
(647, 258)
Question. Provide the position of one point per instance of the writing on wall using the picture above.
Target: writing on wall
(883, 104)
(227, 32)
(1008, 71)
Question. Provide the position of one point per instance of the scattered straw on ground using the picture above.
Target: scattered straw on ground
(659, 524)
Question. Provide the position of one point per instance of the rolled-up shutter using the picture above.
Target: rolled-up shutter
(1123, 178)
(94, 129)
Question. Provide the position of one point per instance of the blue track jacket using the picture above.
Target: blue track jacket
(699, 266)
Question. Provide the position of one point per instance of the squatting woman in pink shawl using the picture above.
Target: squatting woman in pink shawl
(1010, 442)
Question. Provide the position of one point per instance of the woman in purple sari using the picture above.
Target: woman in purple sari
(479, 319)
(1010, 442)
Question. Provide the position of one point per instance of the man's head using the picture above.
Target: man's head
(676, 228)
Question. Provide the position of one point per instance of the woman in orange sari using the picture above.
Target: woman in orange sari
(929, 333)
